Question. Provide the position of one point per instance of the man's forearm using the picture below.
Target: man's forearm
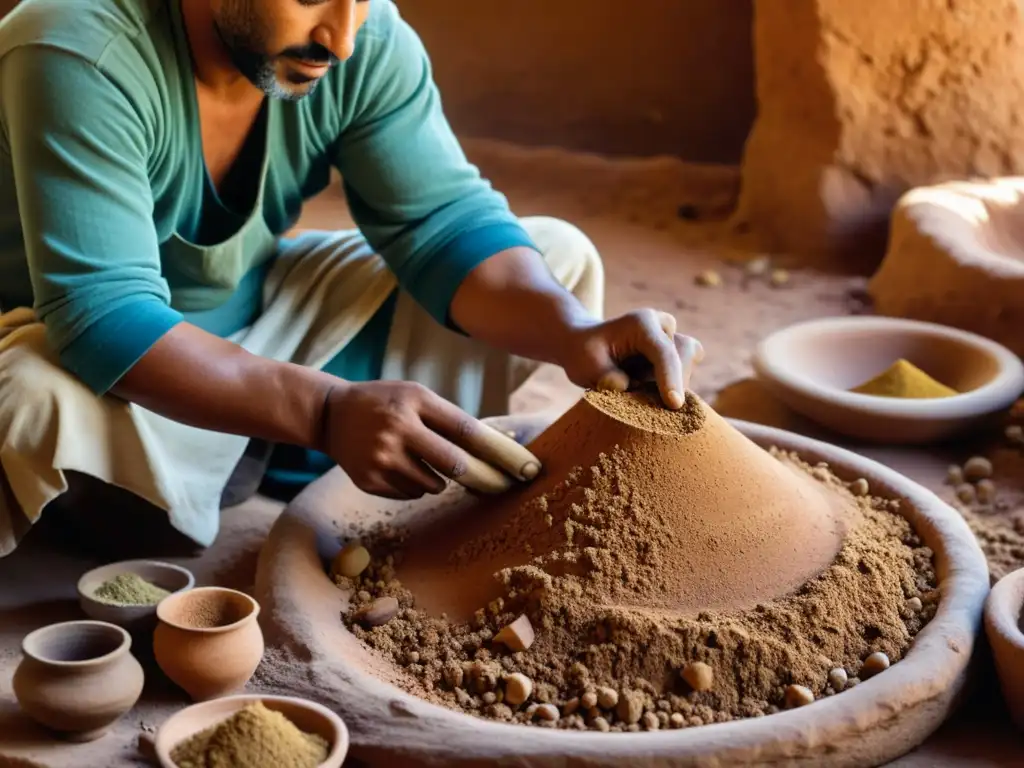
(513, 302)
(199, 379)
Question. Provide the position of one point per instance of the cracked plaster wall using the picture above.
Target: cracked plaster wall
(859, 101)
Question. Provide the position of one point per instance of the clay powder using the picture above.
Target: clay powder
(610, 644)
(129, 589)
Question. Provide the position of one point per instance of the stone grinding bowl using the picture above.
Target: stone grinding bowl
(308, 716)
(1004, 626)
(877, 721)
(134, 618)
(811, 366)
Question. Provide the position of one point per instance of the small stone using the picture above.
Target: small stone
(413, 657)
(873, 664)
(662, 719)
(548, 712)
(607, 697)
(589, 700)
(600, 724)
(1015, 434)
(757, 267)
(517, 636)
(518, 688)
(379, 612)
(986, 491)
(676, 720)
(489, 698)
(798, 696)
(709, 279)
(859, 487)
(630, 707)
(779, 278)
(977, 468)
(954, 475)
(915, 604)
(838, 678)
(699, 676)
(965, 492)
(570, 706)
(351, 561)
(650, 721)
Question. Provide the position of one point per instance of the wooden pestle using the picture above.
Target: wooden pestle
(495, 461)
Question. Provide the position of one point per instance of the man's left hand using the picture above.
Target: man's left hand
(638, 346)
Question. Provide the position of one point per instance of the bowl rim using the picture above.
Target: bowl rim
(125, 566)
(339, 749)
(123, 647)
(1004, 608)
(1007, 384)
(254, 610)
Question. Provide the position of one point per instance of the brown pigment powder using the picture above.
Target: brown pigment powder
(253, 737)
(211, 611)
(593, 600)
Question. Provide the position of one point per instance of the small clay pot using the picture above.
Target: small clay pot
(208, 641)
(77, 678)
(1003, 618)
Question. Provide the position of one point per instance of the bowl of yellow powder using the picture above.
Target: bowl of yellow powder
(253, 731)
(889, 380)
(127, 593)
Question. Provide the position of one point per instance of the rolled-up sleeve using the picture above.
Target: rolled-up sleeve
(79, 153)
(413, 193)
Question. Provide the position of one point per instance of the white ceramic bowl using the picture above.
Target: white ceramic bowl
(307, 715)
(171, 577)
(811, 366)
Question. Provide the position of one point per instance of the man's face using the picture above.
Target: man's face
(284, 47)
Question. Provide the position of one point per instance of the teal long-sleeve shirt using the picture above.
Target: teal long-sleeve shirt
(101, 167)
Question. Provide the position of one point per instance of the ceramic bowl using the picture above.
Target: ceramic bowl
(77, 678)
(1003, 626)
(811, 366)
(307, 715)
(173, 578)
(207, 640)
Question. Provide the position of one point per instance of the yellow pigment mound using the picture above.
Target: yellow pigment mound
(677, 511)
(906, 380)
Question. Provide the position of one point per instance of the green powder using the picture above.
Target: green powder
(129, 589)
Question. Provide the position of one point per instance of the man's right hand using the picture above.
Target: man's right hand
(399, 440)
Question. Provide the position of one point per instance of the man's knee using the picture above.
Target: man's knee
(572, 258)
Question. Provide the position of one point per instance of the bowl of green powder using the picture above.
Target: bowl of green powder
(253, 731)
(127, 593)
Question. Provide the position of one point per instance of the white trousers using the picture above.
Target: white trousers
(323, 289)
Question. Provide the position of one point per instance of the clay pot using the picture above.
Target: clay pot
(78, 678)
(208, 640)
(1003, 614)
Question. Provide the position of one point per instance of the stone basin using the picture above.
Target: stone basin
(877, 721)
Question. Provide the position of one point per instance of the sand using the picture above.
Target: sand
(652, 257)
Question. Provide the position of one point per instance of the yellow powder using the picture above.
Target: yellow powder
(254, 737)
(906, 380)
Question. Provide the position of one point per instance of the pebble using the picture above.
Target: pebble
(954, 475)
(709, 279)
(977, 468)
(352, 560)
(699, 676)
(838, 679)
(601, 725)
(1015, 434)
(859, 487)
(607, 697)
(548, 712)
(676, 720)
(570, 706)
(589, 700)
(413, 657)
(798, 696)
(650, 721)
(517, 636)
(779, 278)
(965, 492)
(758, 266)
(873, 664)
(518, 688)
(986, 491)
(915, 604)
(630, 707)
(379, 612)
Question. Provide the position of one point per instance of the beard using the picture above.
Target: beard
(246, 38)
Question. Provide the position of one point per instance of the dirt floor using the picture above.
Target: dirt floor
(640, 214)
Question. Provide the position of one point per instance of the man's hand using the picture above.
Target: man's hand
(399, 440)
(637, 346)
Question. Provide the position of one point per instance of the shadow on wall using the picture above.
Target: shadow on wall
(671, 77)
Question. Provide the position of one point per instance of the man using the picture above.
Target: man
(155, 152)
